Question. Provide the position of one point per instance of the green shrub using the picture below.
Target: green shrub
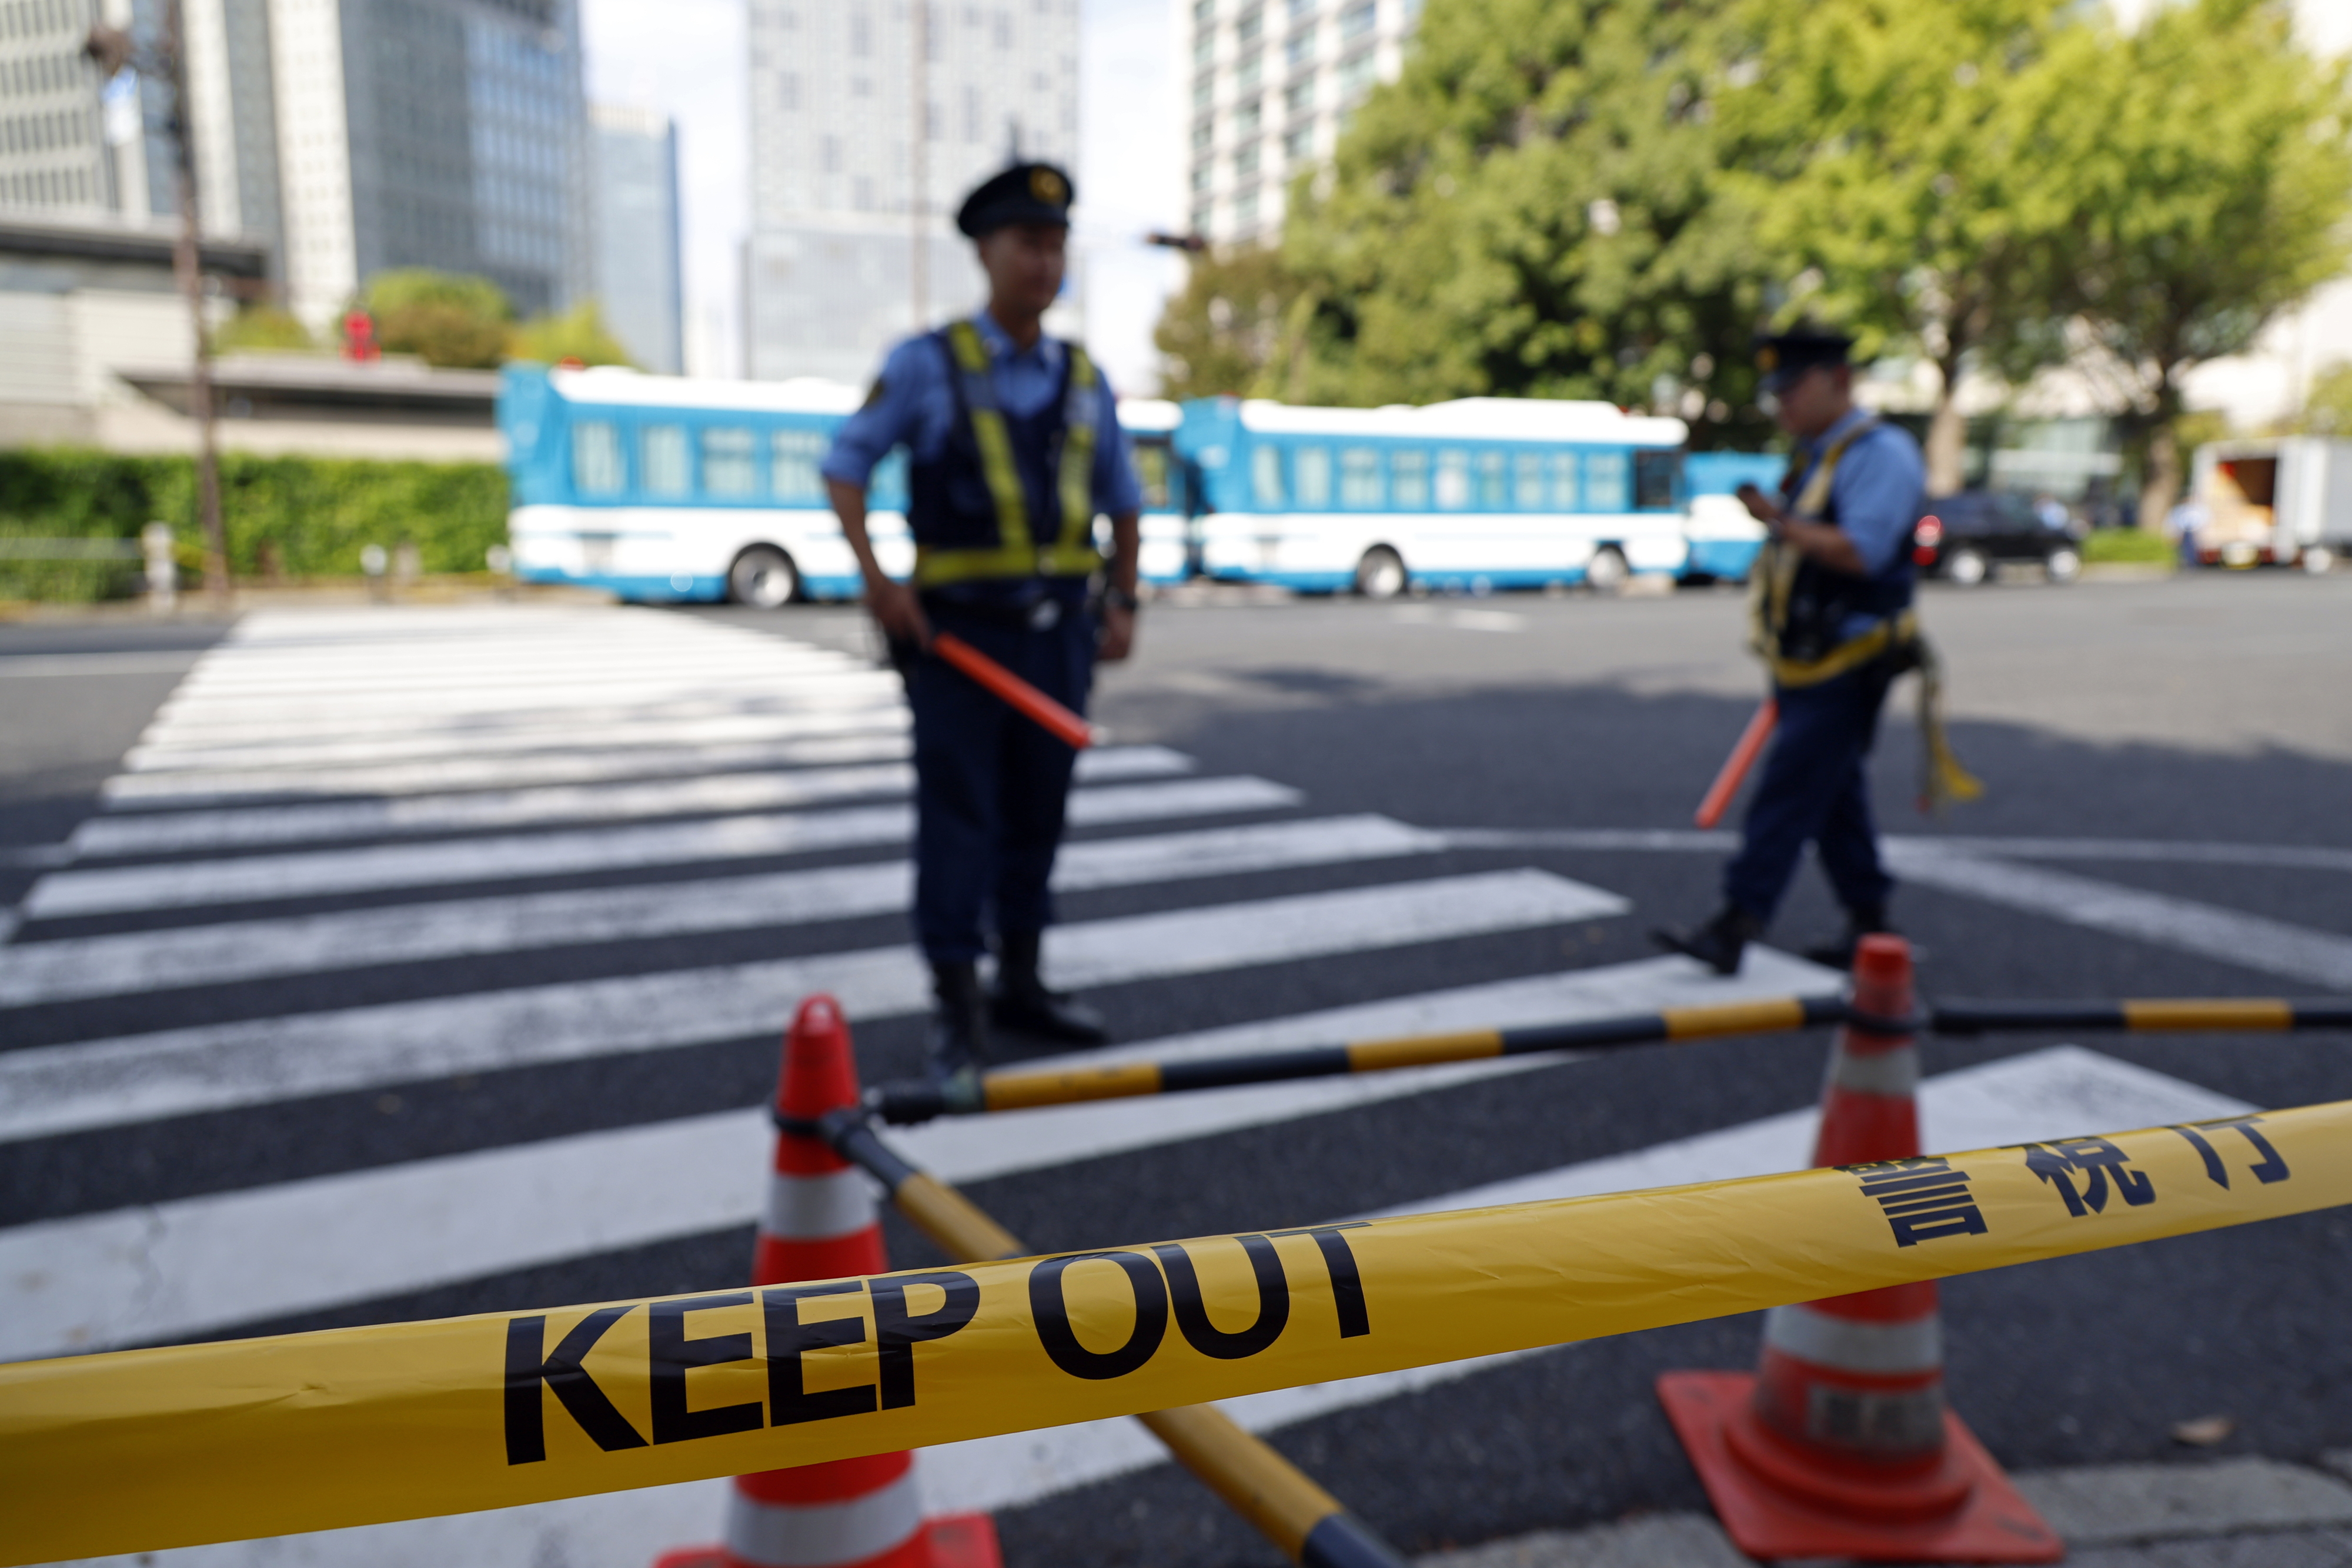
(2129, 545)
(313, 514)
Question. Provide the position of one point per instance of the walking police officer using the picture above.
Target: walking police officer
(1015, 447)
(1831, 596)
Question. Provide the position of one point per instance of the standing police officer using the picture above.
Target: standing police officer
(1015, 447)
(1831, 595)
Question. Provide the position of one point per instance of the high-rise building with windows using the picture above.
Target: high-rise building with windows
(1266, 85)
(870, 119)
(635, 197)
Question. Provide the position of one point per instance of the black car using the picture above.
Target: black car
(1962, 537)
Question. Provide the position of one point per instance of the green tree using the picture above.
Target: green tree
(2328, 406)
(447, 319)
(1907, 163)
(2216, 198)
(1536, 208)
(1235, 328)
(578, 334)
(264, 329)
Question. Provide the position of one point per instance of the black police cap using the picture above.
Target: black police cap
(1785, 356)
(1025, 193)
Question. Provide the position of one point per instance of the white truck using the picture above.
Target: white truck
(2282, 499)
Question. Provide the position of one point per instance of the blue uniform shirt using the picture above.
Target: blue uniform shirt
(916, 405)
(1878, 488)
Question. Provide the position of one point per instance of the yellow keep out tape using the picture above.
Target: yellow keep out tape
(145, 1450)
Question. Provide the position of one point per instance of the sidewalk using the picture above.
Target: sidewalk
(2230, 1513)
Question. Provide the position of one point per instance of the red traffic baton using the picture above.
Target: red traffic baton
(1025, 699)
(1736, 766)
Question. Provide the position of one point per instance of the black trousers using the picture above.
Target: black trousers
(991, 786)
(1814, 790)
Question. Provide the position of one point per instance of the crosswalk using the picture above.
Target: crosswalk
(375, 853)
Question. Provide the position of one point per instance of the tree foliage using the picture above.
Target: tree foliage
(264, 329)
(1234, 329)
(577, 334)
(447, 319)
(1536, 207)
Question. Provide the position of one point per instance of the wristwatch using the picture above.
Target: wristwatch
(1122, 598)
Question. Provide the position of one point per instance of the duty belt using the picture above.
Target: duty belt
(1016, 553)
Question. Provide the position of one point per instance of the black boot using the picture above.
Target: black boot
(1022, 1002)
(1717, 944)
(957, 1042)
(1859, 924)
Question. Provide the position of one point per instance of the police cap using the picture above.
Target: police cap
(1784, 357)
(1025, 193)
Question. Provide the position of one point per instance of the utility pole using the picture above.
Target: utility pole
(113, 49)
(918, 165)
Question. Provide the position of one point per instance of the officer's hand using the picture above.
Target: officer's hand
(1760, 507)
(1118, 637)
(898, 611)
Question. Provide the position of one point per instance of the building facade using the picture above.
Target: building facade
(1267, 87)
(870, 119)
(635, 159)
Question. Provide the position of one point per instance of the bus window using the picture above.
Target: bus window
(1604, 482)
(731, 467)
(1491, 494)
(666, 460)
(1563, 482)
(596, 459)
(1528, 477)
(796, 454)
(1410, 471)
(1312, 469)
(1266, 476)
(1359, 478)
(1152, 475)
(1452, 480)
(1653, 480)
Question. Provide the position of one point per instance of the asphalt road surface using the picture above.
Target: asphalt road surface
(372, 963)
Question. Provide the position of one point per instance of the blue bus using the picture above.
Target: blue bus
(669, 489)
(1471, 494)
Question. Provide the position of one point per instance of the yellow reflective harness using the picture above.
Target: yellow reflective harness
(1015, 553)
(1896, 639)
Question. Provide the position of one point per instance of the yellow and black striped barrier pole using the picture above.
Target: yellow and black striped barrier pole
(1281, 1501)
(1022, 1090)
(1025, 1089)
(142, 1451)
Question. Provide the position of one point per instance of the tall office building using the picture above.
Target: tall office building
(634, 156)
(53, 144)
(1268, 86)
(838, 170)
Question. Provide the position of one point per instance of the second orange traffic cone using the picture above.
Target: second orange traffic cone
(1840, 1444)
(819, 1223)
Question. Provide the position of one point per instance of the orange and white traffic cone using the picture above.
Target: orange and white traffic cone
(1840, 1444)
(820, 1224)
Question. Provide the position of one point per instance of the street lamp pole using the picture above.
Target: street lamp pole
(113, 48)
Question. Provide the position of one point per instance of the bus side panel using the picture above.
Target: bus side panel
(671, 554)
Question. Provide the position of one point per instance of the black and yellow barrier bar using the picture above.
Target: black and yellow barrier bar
(1021, 1090)
(1024, 1089)
(146, 1449)
(2153, 1015)
(1278, 1500)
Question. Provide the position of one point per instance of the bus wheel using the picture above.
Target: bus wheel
(1607, 572)
(763, 578)
(1381, 574)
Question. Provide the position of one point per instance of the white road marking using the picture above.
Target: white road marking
(492, 810)
(327, 872)
(683, 724)
(204, 1263)
(2185, 926)
(250, 949)
(45, 1090)
(473, 771)
(1684, 841)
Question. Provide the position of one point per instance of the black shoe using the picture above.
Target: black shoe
(1720, 943)
(1859, 924)
(1021, 1001)
(957, 1040)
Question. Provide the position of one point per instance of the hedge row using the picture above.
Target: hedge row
(288, 518)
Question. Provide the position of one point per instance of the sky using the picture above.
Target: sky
(686, 59)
